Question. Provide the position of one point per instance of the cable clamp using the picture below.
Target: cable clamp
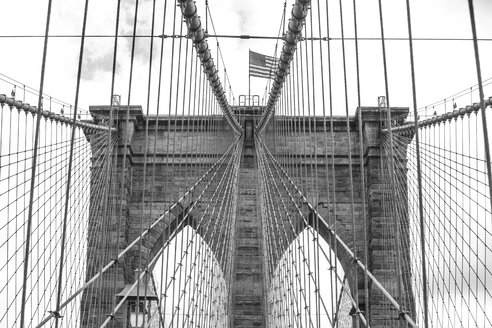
(356, 312)
(355, 260)
(402, 314)
(56, 314)
(112, 316)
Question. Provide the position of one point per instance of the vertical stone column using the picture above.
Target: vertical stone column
(248, 308)
(108, 229)
(381, 222)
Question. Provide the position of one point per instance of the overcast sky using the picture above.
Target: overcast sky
(443, 67)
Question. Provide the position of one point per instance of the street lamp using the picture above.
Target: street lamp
(137, 314)
(139, 300)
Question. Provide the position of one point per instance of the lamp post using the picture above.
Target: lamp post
(139, 301)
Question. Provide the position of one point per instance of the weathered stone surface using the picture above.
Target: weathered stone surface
(248, 286)
(181, 158)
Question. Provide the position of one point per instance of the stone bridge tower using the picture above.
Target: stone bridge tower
(247, 304)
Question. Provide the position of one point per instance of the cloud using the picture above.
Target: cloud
(94, 64)
(243, 19)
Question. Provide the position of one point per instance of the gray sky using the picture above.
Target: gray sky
(443, 67)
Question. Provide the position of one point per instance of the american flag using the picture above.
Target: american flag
(261, 65)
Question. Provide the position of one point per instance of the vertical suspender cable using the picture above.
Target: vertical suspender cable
(315, 224)
(70, 162)
(362, 169)
(183, 151)
(109, 198)
(175, 188)
(419, 170)
(127, 117)
(316, 247)
(482, 102)
(168, 135)
(304, 170)
(325, 143)
(188, 149)
(144, 176)
(199, 38)
(333, 222)
(192, 147)
(391, 159)
(33, 170)
(159, 84)
(350, 169)
(292, 37)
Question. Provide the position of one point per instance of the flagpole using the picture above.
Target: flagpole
(249, 77)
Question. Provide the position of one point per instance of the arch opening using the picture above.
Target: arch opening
(309, 286)
(190, 284)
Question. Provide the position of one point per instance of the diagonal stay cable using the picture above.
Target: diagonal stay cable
(215, 167)
(340, 241)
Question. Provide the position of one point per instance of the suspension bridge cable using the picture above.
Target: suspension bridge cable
(419, 170)
(188, 9)
(333, 221)
(180, 56)
(482, 101)
(160, 251)
(456, 214)
(306, 259)
(346, 249)
(12, 102)
(427, 179)
(33, 171)
(140, 264)
(212, 171)
(455, 95)
(110, 196)
(247, 37)
(448, 163)
(70, 161)
(30, 90)
(219, 51)
(391, 167)
(99, 282)
(350, 165)
(295, 230)
(167, 184)
(292, 37)
(361, 164)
